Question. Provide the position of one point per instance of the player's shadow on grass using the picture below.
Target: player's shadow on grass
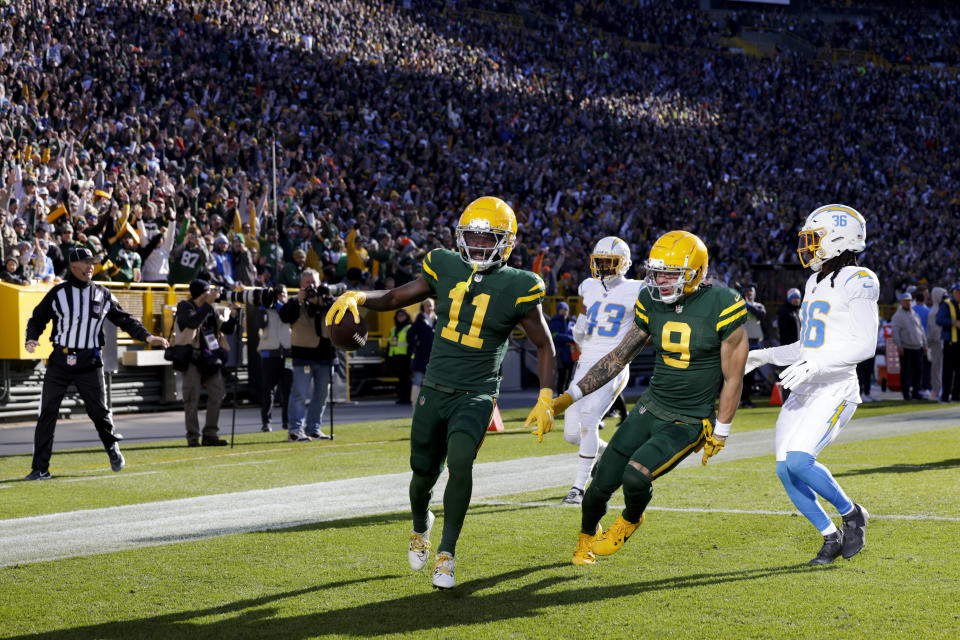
(951, 463)
(429, 610)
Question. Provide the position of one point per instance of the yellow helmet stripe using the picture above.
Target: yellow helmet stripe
(733, 307)
(724, 323)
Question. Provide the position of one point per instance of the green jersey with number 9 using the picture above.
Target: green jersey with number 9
(473, 324)
(687, 337)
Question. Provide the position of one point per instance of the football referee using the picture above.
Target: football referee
(78, 308)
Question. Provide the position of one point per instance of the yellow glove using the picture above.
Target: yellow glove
(541, 414)
(711, 447)
(348, 301)
(561, 403)
(711, 443)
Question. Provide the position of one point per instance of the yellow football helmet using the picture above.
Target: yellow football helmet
(678, 261)
(486, 233)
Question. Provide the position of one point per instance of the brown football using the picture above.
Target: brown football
(349, 335)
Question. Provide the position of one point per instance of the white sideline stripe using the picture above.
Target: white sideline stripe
(111, 477)
(92, 531)
(749, 512)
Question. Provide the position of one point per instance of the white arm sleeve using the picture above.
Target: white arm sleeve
(779, 356)
(861, 343)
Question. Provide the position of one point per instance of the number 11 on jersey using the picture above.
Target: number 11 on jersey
(471, 339)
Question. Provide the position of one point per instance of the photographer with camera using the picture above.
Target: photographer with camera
(313, 355)
(274, 349)
(199, 326)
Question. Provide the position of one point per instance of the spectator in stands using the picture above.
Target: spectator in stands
(561, 330)
(124, 255)
(156, 254)
(188, 260)
(221, 269)
(421, 342)
(398, 354)
(910, 338)
(11, 269)
(241, 263)
(292, 273)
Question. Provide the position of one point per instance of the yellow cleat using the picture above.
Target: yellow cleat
(582, 554)
(611, 542)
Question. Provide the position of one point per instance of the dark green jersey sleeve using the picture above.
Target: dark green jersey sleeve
(429, 268)
(530, 291)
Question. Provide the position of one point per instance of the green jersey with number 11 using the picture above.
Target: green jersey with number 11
(473, 324)
(687, 337)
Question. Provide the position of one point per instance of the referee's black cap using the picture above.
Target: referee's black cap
(82, 253)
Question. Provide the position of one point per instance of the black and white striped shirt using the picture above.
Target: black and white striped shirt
(78, 310)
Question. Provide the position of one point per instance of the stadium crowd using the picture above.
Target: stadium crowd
(154, 134)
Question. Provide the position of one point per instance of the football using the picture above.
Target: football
(349, 335)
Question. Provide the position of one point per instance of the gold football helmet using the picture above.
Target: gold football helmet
(486, 233)
(676, 266)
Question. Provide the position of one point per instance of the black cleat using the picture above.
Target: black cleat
(38, 475)
(213, 441)
(854, 531)
(117, 461)
(832, 546)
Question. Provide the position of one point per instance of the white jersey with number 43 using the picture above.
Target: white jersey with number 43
(609, 314)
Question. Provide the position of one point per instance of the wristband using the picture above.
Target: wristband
(721, 429)
(575, 391)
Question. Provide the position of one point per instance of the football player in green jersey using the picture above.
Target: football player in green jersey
(480, 301)
(701, 348)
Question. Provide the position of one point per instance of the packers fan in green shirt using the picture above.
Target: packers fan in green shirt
(701, 348)
(480, 301)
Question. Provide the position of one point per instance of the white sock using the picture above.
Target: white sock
(584, 465)
(830, 530)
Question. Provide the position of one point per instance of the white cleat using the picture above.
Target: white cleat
(574, 497)
(443, 571)
(420, 545)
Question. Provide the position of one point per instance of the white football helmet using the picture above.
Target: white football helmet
(829, 231)
(610, 259)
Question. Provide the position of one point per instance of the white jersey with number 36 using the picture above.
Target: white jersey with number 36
(609, 314)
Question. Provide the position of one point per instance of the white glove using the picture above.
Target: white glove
(798, 373)
(755, 359)
(580, 329)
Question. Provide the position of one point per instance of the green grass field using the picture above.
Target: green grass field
(722, 553)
